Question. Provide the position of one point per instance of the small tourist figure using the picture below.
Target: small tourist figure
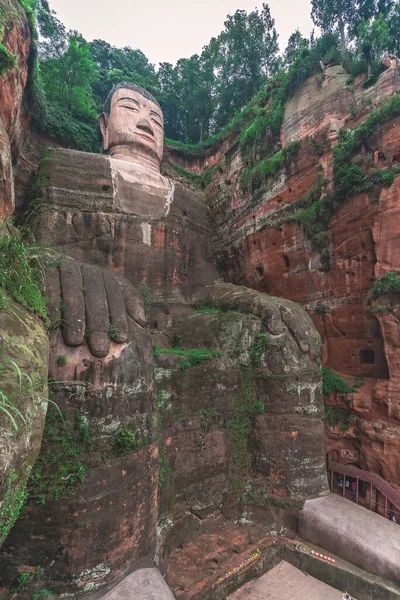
(394, 519)
(354, 489)
(346, 596)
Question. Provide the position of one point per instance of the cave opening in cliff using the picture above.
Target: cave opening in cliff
(286, 261)
(260, 270)
(367, 356)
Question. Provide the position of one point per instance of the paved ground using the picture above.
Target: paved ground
(285, 582)
(144, 584)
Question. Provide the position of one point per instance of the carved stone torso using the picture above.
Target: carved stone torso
(104, 211)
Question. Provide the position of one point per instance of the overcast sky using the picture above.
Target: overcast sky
(166, 30)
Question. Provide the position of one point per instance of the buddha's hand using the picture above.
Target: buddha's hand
(92, 304)
(277, 314)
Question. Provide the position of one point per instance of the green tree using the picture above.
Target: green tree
(118, 64)
(188, 96)
(372, 39)
(247, 55)
(333, 14)
(171, 101)
(295, 43)
(369, 9)
(68, 79)
(394, 30)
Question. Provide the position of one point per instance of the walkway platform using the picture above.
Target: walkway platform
(354, 533)
(285, 582)
(144, 584)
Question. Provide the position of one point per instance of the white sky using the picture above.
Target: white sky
(166, 30)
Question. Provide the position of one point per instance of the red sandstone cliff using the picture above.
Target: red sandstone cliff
(363, 242)
(13, 122)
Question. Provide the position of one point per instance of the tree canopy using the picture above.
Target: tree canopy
(201, 94)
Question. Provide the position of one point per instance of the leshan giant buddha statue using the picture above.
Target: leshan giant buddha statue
(124, 227)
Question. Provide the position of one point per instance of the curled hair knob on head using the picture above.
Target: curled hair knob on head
(127, 85)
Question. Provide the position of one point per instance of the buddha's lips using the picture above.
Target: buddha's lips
(147, 137)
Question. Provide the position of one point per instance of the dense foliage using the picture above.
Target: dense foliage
(207, 95)
(22, 271)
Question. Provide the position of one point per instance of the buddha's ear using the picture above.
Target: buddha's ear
(104, 130)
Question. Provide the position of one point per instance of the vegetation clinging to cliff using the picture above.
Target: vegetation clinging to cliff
(332, 382)
(60, 468)
(13, 498)
(189, 358)
(348, 178)
(389, 283)
(334, 416)
(253, 177)
(22, 271)
(7, 59)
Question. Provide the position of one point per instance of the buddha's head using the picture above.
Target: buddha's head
(132, 124)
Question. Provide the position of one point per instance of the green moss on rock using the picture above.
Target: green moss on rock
(13, 498)
(60, 468)
(7, 60)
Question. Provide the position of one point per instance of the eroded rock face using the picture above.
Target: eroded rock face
(13, 119)
(255, 248)
(23, 337)
(23, 374)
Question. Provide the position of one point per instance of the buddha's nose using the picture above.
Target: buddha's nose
(145, 126)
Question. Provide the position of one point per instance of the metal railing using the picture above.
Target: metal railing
(366, 494)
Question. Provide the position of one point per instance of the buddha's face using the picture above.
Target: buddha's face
(134, 122)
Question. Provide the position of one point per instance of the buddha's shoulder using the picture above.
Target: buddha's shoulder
(71, 177)
(64, 168)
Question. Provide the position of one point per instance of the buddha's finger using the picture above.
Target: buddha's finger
(97, 316)
(272, 318)
(73, 303)
(295, 325)
(134, 303)
(116, 305)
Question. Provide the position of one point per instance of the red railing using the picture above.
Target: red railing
(365, 488)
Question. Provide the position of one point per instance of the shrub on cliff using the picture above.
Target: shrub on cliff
(333, 416)
(7, 60)
(332, 382)
(387, 284)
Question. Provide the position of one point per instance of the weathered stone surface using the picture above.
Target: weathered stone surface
(242, 432)
(23, 354)
(195, 566)
(329, 98)
(354, 533)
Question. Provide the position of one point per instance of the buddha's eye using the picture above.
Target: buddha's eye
(157, 123)
(133, 108)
